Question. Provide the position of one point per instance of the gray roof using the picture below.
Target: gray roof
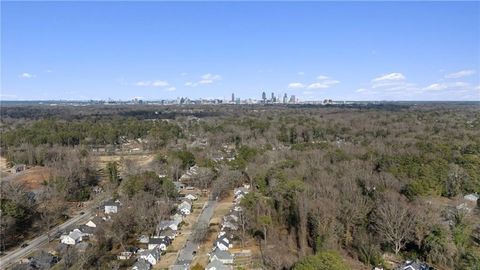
(411, 265)
(222, 240)
(156, 252)
(142, 265)
(222, 254)
(218, 265)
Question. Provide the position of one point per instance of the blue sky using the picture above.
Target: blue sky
(163, 50)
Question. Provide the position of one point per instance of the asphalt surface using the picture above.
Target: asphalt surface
(186, 254)
(15, 255)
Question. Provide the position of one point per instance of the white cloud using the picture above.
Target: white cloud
(296, 85)
(300, 73)
(317, 86)
(205, 81)
(322, 82)
(460, 74)
(160, 83)
(208, 78)
(448, 86)
(26, 75)
(390, 77)
(361, 90)
(143, 83)
(392, 82)
(436, 87)
(183, 74)
(171, 88)
(156, 83)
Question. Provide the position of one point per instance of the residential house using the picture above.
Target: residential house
(168, 233)
(72, 238)
(95, 222)
(125, 255)
(151, 255)
(411, 265)
(229, 225)
(222, 255)
(185, 208)
(141, 265)
(177, 218)
(223, 243)
(218, 265)
(86, 230)
(165, 224)
(471, 197)
(18, 168)
(190, 197)
(157, 242)
(111, 207)
(42, 260)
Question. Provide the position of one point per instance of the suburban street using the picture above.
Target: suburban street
(185, 255)
(13, 256)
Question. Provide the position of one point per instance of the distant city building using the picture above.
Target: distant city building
(264, 97)
(273, 97)
(233, 97)
(293, 99)
(285, 98)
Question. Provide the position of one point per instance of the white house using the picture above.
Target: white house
(222, 255)
(185, 208)
(94, 223)
(152, 255)
(471, 197)
(72, 238)
(411, 265)
(223, 243)
(190, 197)
(111, 207)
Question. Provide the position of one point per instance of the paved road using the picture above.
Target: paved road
(13, 256)
(185, 255)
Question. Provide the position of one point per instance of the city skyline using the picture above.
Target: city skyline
(313, 50)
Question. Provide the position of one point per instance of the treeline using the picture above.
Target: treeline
(88, 132)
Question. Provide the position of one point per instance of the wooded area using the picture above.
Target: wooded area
(327, 182)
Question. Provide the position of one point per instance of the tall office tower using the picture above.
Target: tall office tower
(292, 99)
(273, 97)
(264, 96)
(285, 98)
(233, 97)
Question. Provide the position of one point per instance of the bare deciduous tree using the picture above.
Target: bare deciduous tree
(395, 221)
